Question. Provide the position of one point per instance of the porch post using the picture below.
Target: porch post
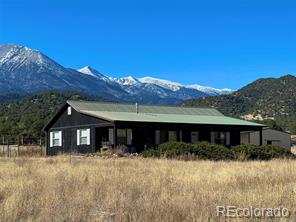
(260, 137)
(45, 143)
(93, 139)
(115, 135)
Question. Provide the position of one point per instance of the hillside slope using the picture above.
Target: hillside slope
(270, 98)
(29, 115)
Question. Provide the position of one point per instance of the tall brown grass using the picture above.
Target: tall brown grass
(93, 189)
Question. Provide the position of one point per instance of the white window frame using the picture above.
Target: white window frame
(69, 110)
(53, 135)
(80, 136)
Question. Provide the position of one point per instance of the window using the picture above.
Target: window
(163, 136)
(194, 137)
(83, 137)
(129, 136)
(269, 142)
(220, 138)
(69, 110)
(111, 136)
(172, 136)
(180, 136)
(121, 136)
(55, 138)
(157, 137)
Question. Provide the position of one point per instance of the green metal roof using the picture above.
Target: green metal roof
(119, 107)
(157, 114)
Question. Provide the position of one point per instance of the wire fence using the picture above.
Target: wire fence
(21, 146)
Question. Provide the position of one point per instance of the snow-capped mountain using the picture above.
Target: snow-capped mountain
(126, 81)
(210, 90)
(94, 73)
(166, 84)
(148, 92)
(24, 70)
(174, 86)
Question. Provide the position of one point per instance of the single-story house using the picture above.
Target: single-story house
(85, 127)
(269, 136)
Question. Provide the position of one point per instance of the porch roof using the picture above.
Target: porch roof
(157, 114)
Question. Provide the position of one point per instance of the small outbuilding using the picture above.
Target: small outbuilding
(269, 136)
(86, 127)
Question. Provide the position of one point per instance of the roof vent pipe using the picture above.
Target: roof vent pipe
(137, 108)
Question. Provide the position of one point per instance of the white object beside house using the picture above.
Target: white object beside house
(269, 136)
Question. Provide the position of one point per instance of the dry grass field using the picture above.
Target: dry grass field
(126, 189)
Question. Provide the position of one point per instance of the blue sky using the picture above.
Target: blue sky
(217, 43)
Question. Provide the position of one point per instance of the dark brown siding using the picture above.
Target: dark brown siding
(69, 124)
(75, 119)
(235, 138)
(143, 132)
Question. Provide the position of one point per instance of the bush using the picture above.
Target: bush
(265, 152)
(151, 152)
(181, 150)
(205, 150)
(168, 150)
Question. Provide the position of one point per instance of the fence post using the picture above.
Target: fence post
(10, 151)
(18, 145)
(8, 148)
(40, 145)
(3, 145)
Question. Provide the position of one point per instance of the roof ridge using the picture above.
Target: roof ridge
(139, 104)
(174, 118)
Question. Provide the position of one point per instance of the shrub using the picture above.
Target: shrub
(205, 150)
(151, 152)
(181, 150)
(174, 149)
(265, 152)
(168, 150)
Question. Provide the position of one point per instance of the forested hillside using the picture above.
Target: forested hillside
(28, 116)
(270, 98)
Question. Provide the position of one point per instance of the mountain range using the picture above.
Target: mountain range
(26, 71)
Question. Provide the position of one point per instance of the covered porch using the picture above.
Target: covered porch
(137, 136)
